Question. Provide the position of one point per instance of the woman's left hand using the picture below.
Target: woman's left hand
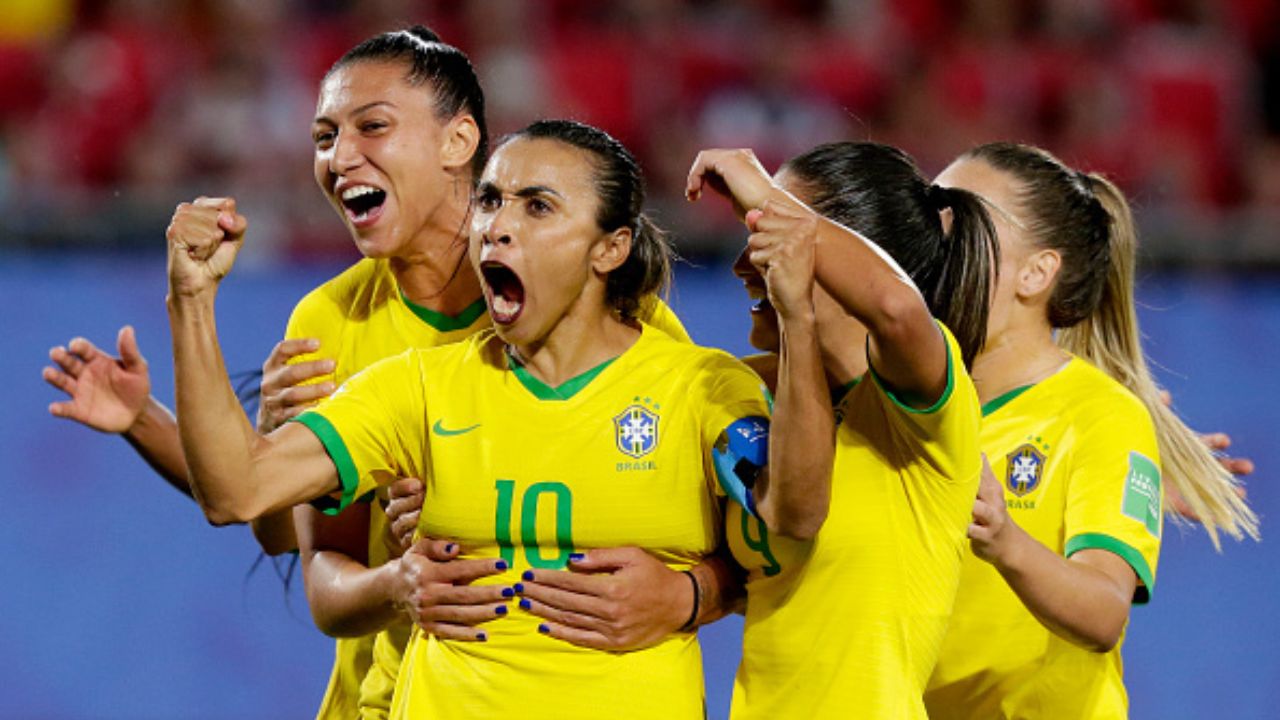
(735, 174)
(610, 599)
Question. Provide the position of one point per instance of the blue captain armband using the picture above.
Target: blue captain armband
(740, 454)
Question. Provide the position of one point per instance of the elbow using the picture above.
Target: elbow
(1101, 642)
(221, 517)
(802, 529)
(798, 523)
(900, 314)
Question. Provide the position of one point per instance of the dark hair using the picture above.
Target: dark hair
(877, 191)
(620, 187)
(430, 60)
(1065, 214)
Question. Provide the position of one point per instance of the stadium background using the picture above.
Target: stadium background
(118, 601)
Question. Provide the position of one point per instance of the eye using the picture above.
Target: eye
(323, 139)
(370, 127)
(488, 200)
(539, 207)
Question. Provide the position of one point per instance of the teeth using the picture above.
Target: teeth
(357, 191)
(505, 307)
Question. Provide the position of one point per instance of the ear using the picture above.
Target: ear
(459, 142)
(611, 251)
(1038, 272)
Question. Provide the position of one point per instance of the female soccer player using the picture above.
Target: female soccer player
(1066, 529)
(405, 113)
(569, 427)
(848, 623)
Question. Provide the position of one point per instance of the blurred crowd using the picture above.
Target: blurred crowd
(112, 111)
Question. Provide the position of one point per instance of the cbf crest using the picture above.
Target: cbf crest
(1026, 468)
(636, 429)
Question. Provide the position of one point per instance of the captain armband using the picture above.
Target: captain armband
(740, 454)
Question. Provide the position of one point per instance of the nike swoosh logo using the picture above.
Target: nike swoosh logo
(442, 431)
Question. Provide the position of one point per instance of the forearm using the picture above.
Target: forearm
(795, 495)
(720, 587)
(1073, 600)
(348, 599)
(154, 435)
(274, 532)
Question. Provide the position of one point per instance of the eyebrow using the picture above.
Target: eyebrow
(357, 111)
(524, 192)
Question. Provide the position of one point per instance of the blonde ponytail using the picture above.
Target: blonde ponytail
(1109, 339)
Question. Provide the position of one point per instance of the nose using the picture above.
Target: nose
(496, 226)
(345, 154)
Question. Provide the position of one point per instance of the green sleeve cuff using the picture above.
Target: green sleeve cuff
(348, 476)
(1098, 541)
(946, 393)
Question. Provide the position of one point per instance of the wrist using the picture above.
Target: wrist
(1008, 552)
(694, 604)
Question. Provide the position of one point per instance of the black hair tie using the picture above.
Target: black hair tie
(938, 197)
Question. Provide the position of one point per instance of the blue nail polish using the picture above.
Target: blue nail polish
(577, 557)
(501, 610)
(481, 636)
(525, 604)
(501, 564)
(528, 575)
(544, 628)
(519, 588)
(508, 592)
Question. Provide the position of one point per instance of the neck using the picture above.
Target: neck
(1015, 358)
(434, 273)
(578, 342)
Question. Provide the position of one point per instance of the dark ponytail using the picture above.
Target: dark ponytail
(877, 191)
(620, 187)
(453, 80)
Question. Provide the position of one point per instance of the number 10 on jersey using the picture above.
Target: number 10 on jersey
(559, 496)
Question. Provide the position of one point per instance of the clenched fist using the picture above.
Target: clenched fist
(204, 237)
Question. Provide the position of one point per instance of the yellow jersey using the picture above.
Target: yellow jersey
(1078, 458)
(518, 470)
(360, 317)
(849, 625)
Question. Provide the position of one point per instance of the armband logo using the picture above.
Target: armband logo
(1142, 493)
(636, 428)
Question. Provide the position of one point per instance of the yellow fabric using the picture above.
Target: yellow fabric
(360, 318)
(624, 460)
(849, 625)
(998, 661)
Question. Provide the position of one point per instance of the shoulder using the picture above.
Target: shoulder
(336, 297)
(1092, 396)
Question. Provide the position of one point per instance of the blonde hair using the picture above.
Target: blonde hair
(1109, 339)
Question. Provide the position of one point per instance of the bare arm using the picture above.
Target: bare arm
(1084, 599)
(236, 475)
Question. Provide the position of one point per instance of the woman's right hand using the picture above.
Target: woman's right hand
(283, 394)
(204, 238)
(106, 393)
(735, 174)
(404, 507)
(434, 590)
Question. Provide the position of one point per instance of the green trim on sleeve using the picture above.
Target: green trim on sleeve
(999, 402)
(839, 394)
(348, 476)
(946, 393)
(564, 390)
(1098, 541)
(442, 322)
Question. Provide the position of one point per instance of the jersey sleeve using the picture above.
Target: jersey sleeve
(735, 427)
(1115, 498)
(658, 314)
(372, 427)
(944, 435)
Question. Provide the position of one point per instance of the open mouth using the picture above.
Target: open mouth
(363, 203)
(504, 291)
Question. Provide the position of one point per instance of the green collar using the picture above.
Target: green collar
(996, 403)
(442, 322)
(564, 390)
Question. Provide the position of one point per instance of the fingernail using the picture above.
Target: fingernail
(519, 588)
(525, 604)
(501, 610)
(449, 548)
(528, 575)
(481, 636)
(501, 564)
(313, 343)
(544, 628)
(508, 592)
(577, 557)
